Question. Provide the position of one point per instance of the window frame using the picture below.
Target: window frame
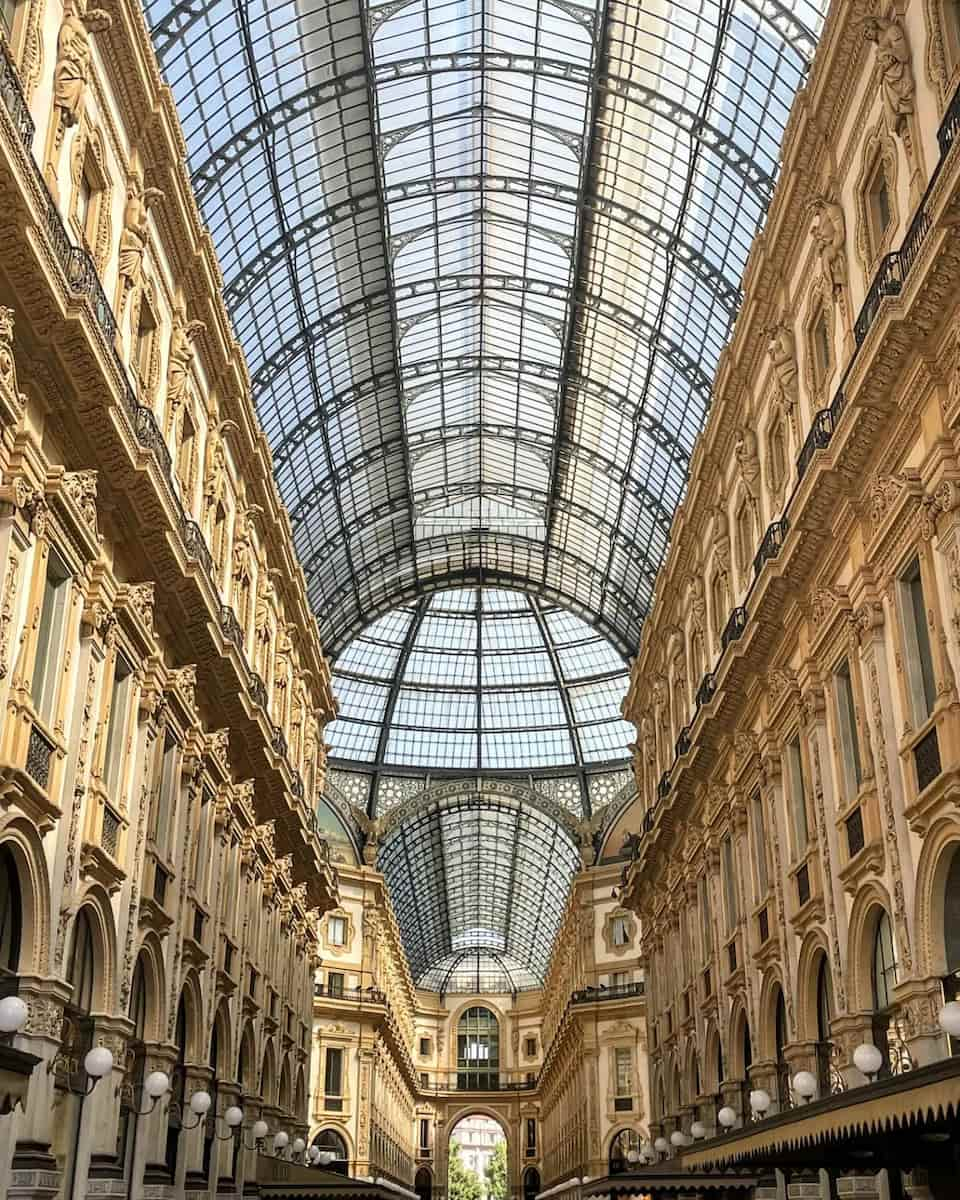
(51, 637)
(797, 797)
(921, 680)
(848, 733)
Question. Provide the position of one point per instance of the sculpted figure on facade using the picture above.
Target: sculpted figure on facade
(829, 236)
(133, 238)
(748, 461)
(72, 71)
(182, 354)
(215, 470)
(896, 73)
(783, 354)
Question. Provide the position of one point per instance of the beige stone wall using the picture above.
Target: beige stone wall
(162, 687)
(795, 696)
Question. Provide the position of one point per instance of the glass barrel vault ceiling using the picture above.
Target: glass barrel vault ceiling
(482, 257)
(480, 679)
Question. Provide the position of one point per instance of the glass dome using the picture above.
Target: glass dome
(480, 679)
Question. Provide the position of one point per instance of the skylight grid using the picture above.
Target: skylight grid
(562, 278)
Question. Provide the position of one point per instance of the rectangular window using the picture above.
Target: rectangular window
(333, 1079)
(821, 348)
(165, 796)
(623, 1064)
(334, 983)
(760, 847)
(117, 725)
(531, 1135)
(619, 979)
(847, 724)
(53, 616)
(729, 884)
(619, 931)
(798, 798)
(917, 639)
(424, 1079)
(706, 916)
(201, 845)
(425, 1047)
(87, 203)
(531, 1046)
(424, 1134)
(337, 931)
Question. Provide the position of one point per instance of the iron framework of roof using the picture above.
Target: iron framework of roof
(482, 258)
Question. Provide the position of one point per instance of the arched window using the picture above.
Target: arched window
(625, 1141)
(80, 969)
(824, 1000)
(11, 913)
(884, 965)
(780, 1041)
(478, 1050)
(328, 1141)
(423, 1184)
(951, 928)
(531, 1183)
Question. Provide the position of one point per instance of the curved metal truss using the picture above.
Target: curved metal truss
(485, 874)
(482, 257)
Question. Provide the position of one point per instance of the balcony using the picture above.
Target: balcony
(594, 995)
(367, 995)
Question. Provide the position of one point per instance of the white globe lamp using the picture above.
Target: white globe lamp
(661, 1145)
(156, 1084)
(633, 1156)
(260, 1130)
(200, 1103)
(678, 1138)
(280, 1139)
(233, 1116)
(727, 1117)
(698, 1130)
(805, 1085)
(948, 1017)
(326, 1157)
(760, 1101)
(867, 1059)
(98, 1062)
(13, 1014)
(298, 1145)
(313, 1153)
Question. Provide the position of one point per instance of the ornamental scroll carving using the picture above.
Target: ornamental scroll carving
(81, 487)
(7, 603)
(8, 366)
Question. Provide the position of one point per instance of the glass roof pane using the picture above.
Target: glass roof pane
(480, 678)
(417, 206)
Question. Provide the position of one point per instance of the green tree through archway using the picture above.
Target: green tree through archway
(462, 1182)
(496, 1173)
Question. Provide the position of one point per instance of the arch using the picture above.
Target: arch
(692, 1074)
(333, 1139)
(223, 1031)
(938, 860)
(740, 1043)
(247, 1060)
(300, 1096)
(622, 1142)
(285, 1091)
(531, 1183)
(150, 960)
(22, 843)
(268, 1074)
(870, 902)
(713, 1075)
(11, 914)
(771, 997)
(191, 1005)
(94, 919)
(423, 1183)
(813, 953)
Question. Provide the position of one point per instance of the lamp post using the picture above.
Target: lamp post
(16, 1066)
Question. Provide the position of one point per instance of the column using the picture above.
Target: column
(98, 1171)
(150, 1133)
(224, 1175)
